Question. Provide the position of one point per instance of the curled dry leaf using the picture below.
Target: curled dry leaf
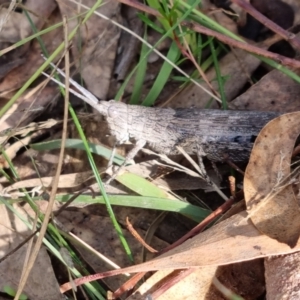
(12, 151)
(269, 196)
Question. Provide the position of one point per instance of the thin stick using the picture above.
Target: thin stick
(291, 37)
(39, 241)
(201, 226)
(138, 237)
(250, 48)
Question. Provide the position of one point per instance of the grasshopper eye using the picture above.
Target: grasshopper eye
(112, 112)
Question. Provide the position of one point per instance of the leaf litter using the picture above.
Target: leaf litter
(271, 226)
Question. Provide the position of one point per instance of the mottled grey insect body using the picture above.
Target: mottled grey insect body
(218, 133)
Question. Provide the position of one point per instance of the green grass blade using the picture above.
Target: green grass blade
(194, 212)
(141, 186)
(78, 144)
(140, 74)
(163, 76)
(218, 74)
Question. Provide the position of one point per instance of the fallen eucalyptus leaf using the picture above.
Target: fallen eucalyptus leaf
(233, 240)
(269, 196)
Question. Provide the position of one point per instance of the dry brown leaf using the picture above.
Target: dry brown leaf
(41, 283)
(12, 151)
(17, 26)
(270, 199)
(98, 42)
(274, 92)
(33, 60)
(11, 28)
(7, 67)
(18, 76)
(233, 240)
(27, 107)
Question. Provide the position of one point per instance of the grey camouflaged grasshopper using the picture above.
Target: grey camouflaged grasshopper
(218, 134)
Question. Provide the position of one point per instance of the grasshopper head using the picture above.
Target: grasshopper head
(116, 116)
